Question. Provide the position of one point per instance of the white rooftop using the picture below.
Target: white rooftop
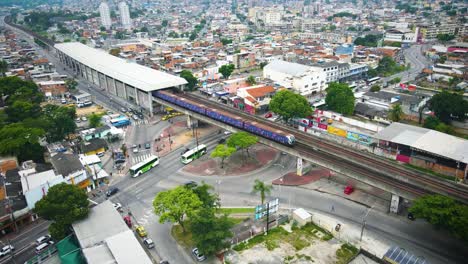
(303, 214)
(32, 179)
(427, 140)
(287, 67)
(141, 77)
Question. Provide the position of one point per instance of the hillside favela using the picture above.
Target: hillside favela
(233, 131)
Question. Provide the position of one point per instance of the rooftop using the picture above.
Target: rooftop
(141, 77)
(65, 163)
(287, 67)
(427, 140)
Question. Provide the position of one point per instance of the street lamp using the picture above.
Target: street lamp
(364, 222)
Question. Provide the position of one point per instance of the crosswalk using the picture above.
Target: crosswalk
(141, 122)
(140, 158)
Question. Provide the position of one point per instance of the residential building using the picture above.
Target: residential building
(53, 88)
(243, 60)
(334, 71)
(125, 19)
(304, 80)
(105, 15)
(401, 35)
(70, 167)
(93, 146)
(254, 99)
(99, 132)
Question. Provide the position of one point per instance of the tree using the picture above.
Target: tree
(375, 88)
(210, 233)
(242, 140)
(290, 105)
(226, 41)
(102, 28)
(340, 98)
(59, 122)
(396, 113)
(445, 37)
(226, 70)
(95, 120)
(16, 89)
(208, 199)
(114, 52)
(251, 80)
(443, 212)
(71, 84)
(164, 23)
(191, 80)
(222, 151)
(431, 122)
(193, 36)
(449, 105)
(262, 188)
(3, 67)
(16, 138)
(63, 204)
(174, 204)
(20, 110)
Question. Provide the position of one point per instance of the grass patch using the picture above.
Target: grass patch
(184, 239)
(345, 253)
(240, 210)
(451, 178)
(299, 238)
(237, 220)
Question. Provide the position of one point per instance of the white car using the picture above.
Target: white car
(135, 150)
(198, 255)
(84, 118)
(117, 206)
(43, 239)
(6, 250)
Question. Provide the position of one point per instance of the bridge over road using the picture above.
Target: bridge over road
(365, 167)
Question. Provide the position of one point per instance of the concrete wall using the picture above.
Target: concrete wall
(120, 89)
(111, 85)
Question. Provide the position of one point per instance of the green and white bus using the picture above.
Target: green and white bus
(144, 166)
(193, 154)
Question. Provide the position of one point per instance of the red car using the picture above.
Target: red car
(268, 115)
(348, 190)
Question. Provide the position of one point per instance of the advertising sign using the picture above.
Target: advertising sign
(352, 136)
(323, 126)
(261, 210)
(336, 131)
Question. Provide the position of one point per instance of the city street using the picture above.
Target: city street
(418, 61)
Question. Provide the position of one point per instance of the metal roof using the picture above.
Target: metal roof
(141, 77)
(287, 67)
(428, 140)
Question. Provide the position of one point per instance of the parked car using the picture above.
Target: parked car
(147, 146)
(148, 243)
(268, 115)
(83, 118)
(43, 247)
(348, 190)
(43, 239)
(221, 141)
(198, 256)
(123, 110)
(112, 191)
(6, 250)
(135, 117)
(117, 207)
(78, 120)
(141, 231)
(135, 149)
(191, 184)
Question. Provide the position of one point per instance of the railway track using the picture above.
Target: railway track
(372, 167)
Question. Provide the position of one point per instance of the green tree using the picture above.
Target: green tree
(208, 199)
(20, 110)
(193, 36)
(431, 122)
(63, 204)
(172, 205)
(209, 232)
(102, 28)
(396, 113)
(375, 88)
(222, 151)
(95, 120)
(60, 121)
(191, 80)
(262, 188)
(443, 212)
(251, 80)
(340, 98)
(3, 67)
(445, 37)
(71, 84)
(449, 105)
(226, 41)
(164, 23)
(290, 105)
(16, 138)
(16, 89)
(226, 70)
(242, 140)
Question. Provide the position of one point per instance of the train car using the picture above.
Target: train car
(225, 117)
(166, 96)
(270, 133)
(195, 107)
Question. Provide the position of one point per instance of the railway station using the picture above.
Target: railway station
(129, 81)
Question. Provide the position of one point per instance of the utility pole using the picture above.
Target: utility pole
(268, 216)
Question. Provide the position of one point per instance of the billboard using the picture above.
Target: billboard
(261, 210)
(336, 131)
(360, 138)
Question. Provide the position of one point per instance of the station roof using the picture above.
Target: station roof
(141, 77)
(428, 140)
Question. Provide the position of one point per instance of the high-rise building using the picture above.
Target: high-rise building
(105, 15)
(125, 15)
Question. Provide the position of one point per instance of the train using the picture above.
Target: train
(230, 119)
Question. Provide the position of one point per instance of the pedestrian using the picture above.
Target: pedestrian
(333, 208)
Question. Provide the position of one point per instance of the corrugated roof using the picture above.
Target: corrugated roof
(427, 140)
(287, 67)
(141, 77)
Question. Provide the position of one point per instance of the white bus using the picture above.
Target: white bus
(193, 154)
(144, 166)
(372, 80)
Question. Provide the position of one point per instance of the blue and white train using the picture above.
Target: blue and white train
(235, 121)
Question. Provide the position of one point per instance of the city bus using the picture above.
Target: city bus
(372, 80)
(144, 166)
(193, 154)
(120, 121)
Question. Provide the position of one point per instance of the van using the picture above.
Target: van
(43, 247)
